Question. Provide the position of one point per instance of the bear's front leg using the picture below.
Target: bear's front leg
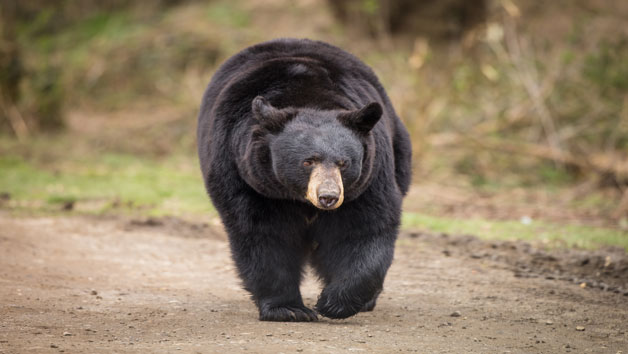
(353, 271)
(270, 268)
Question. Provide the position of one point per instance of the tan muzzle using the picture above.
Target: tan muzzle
(325, 190)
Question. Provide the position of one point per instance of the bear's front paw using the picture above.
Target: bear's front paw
(338, 305)
(287, 314)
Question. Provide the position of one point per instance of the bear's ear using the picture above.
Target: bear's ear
(363, 119)
(268, 116)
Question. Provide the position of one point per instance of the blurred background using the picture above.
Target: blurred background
(518, 110)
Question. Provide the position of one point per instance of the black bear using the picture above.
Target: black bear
(306, 162)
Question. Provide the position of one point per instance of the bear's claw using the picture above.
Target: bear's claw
(288, 314)
(335, 308)
(369, 306)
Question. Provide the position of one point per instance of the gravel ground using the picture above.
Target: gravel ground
(104, 284)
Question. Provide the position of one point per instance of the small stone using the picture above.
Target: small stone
(69, 205)
(579, 328)
(549, 322)
(94, 292)
(67, 334)
(54, 346)
(456, 314)
(526, 220)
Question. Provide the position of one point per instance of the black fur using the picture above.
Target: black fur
(267, 110)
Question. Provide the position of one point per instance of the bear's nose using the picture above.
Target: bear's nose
(328, 200)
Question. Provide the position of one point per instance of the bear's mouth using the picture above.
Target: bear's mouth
(325, 190)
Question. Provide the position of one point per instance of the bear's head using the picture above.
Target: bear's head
(323, 157)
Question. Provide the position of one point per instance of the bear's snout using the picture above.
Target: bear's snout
(325, 190)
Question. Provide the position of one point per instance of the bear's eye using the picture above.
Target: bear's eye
(342, 163)
(311, 160)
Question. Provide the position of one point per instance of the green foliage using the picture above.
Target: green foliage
(608, 67)
(109, 59)
(553, 175)
(370, 7)
(45, 98)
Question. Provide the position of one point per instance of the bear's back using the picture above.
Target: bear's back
(298, 73)
(337, 61)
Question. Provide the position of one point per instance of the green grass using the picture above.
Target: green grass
(551, 234)
(124, 183)
(112, 181)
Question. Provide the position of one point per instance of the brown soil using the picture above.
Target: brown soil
(90, 285)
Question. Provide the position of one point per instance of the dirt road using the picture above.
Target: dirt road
(100, 285)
